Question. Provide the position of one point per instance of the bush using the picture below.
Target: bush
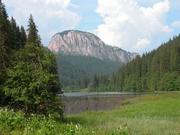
(16, 123)
(9, 120)
(41, 125)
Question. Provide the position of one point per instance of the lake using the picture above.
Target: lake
(77, 102)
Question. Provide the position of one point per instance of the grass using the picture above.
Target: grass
(155, 114)
(146, 115)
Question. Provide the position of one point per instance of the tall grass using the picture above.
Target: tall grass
(157, 114)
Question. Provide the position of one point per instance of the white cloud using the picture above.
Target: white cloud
(176, 24)
(128, 25)
(50, 15)
(142, 43)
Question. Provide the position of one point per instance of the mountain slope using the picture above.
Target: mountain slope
(75, 70)
(82, 55)
(86, 44)
(157, 70)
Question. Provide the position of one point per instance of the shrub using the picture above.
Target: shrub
(10, 120)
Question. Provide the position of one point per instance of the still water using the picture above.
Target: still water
(77, 102)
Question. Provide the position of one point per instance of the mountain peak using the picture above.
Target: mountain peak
(75, 42)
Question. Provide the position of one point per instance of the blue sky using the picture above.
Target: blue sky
(133, 25)
(90, 19)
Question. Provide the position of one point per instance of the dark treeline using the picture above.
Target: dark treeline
(78, 72)
(156, 70)
(99, 83)
(28, 71)
(95, 83)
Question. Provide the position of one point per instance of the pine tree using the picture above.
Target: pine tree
(4, 47)
(3, 10)
(28, 76)
(33, 36)
(15, 35)
(156, 70)
(23, 36)
(32, 80)
(95, 81)
(3, 53)
(4, 38)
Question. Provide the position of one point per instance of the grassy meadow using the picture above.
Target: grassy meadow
(153, 114)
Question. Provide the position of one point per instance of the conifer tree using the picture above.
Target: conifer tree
(33, 36)
(4, 37)
(156, 70)
(15, 35)
(4, 47)
(23, 36)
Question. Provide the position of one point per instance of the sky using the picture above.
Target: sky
(133, 25)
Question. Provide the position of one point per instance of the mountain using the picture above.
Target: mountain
(73, 42)
(82, 55)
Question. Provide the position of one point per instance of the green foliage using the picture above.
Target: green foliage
(13, 122)
(15, 35)
(130, 84)
(79, 71)
(4, 47)
(33, 36)
(32, 80)
(99, 83)
(9, 120)
(157, 70)
(16, 123)
(72, 129)
(122, 130)
(23, 36)
(4, 40)
(41, 126)
(28, 76)
(170, 82)
(153, 114)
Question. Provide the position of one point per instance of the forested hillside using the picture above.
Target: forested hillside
(28, 71)
(156, 70)
(78, 71)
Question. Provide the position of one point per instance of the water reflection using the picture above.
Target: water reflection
(78, 102)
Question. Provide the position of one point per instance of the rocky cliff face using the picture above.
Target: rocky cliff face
(86, 44)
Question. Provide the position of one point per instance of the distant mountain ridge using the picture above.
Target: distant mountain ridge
(73, 42)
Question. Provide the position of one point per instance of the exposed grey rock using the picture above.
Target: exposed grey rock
(75, 42)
